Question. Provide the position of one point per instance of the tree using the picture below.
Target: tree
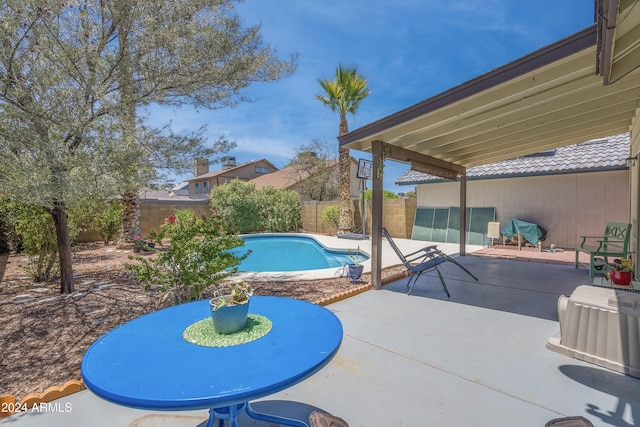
(344, 94)
(71, 74)
(386, 195)
(313, 170)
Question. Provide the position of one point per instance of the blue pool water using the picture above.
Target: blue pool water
(291, 253)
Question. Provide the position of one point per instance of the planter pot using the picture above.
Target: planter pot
(355, 271)
(229, 318)
(622, 278)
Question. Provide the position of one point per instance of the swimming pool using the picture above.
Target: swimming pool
(292, 253)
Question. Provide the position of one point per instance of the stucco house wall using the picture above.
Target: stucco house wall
(200, 186)
(567, 206)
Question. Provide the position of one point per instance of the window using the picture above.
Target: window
(198, 188)
(262, 169)
(206, 186)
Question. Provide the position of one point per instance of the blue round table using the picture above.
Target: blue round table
(147, 364)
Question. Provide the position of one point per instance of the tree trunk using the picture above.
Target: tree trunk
(344, 162)
(346, 217)
(59, 214)
(130, 202)
(130, 220)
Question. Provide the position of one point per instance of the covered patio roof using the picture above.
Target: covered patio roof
(583, 87)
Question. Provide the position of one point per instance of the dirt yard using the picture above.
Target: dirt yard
(44, 334)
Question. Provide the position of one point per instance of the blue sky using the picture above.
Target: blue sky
(408, 50)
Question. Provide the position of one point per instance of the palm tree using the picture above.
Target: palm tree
(343, 94)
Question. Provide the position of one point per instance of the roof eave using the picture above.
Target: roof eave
(541, 57)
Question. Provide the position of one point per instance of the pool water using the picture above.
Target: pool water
(292, 253)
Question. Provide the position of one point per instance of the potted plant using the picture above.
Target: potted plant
(229, 312)
(137, 244)
(622, 272)
(355, 268)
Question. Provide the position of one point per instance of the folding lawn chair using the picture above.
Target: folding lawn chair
(425, 259)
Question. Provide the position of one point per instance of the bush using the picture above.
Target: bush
(243, 209)
(198, 257)
(386, 194)
(237, 206)
(35, 235)
(8, 234)
(105, 217)
(331, 216)
(280, 210)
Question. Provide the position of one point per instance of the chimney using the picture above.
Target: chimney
(201, 166)
(228, 162)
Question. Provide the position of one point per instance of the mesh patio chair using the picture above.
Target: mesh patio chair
(426, 259)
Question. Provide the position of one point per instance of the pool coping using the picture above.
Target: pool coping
(328, 242)
(332, 242)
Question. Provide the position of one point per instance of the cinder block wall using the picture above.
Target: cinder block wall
(397, 216)
(154, 212)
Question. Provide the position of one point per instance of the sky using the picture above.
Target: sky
(408, 50)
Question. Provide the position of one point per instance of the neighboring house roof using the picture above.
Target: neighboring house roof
(181, 189)
(285, 178)
(160, 194)
(590, 156)
(226, 171)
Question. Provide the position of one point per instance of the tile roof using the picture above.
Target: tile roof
(286, 177)
(230, 169)
(590, 156)
(281, 179)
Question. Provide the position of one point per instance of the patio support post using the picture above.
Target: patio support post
(463, 214)
(376, 214)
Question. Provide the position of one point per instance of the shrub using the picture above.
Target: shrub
(198, 257)
(102, 216)
(8, 234)
(237, 206)
(281, 210)
(35, 235)
(243, 209)
(386, 194)
(331, 216)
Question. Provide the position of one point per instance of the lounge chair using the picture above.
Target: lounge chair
(420, 261)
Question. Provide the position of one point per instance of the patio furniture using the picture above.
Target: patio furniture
(614, 243)
(148, 364)
(569, 422)
(425, 259)
(531, 232)
(600, 325)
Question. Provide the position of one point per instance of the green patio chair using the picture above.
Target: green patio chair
(614, 243)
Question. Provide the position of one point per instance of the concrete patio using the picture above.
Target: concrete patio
(476, 359)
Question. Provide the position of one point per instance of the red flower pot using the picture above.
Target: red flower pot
(622, 278)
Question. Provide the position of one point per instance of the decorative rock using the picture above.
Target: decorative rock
(40, 290)
(98, 321)
(78, 275)
(47, 299)
(106, 285)
(23, 298)
(88, 282)
(100, 284)
(77, 295)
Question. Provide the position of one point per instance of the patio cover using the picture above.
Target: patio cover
(583, 87)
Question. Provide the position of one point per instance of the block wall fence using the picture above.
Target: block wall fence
(398, 216)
